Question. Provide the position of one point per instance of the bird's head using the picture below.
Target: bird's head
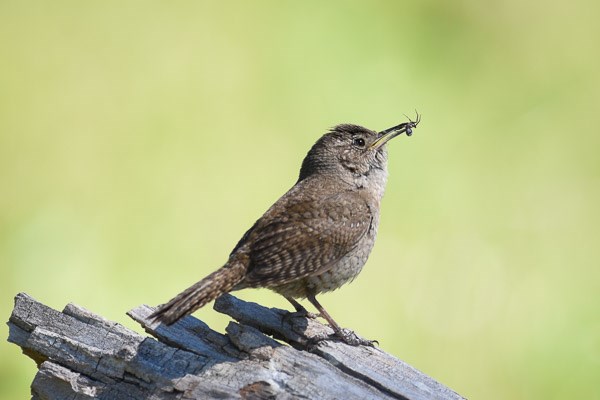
(352, 150)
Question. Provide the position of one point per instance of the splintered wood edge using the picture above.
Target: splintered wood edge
(81, 353)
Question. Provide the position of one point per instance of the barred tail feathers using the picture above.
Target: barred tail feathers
(203, 292)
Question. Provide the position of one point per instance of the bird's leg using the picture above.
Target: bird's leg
(300, 310)
(346, 335)
(299, 307)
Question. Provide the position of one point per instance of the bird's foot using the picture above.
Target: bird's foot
(350, 338)
(344, 335)
(300, 312)
(303, 313)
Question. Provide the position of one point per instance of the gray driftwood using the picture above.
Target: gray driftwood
(266, 354)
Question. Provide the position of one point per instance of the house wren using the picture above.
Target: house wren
(317, 236)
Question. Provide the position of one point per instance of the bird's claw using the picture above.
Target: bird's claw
(350, 338)
(345, 335)
(287, 318)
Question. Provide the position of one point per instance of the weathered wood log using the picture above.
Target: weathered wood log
(81, 355)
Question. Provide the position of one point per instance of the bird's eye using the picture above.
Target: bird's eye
(360, 142)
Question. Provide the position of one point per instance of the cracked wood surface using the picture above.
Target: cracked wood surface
(81, 355)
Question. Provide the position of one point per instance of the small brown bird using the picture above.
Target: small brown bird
(317, 236)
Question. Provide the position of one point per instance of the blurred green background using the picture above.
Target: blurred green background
(139, 140)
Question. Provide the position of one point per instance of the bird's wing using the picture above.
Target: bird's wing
(306, 238)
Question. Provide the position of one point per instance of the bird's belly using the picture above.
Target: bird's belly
(344, 271)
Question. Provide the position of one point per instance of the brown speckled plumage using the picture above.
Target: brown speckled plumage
(317, 236)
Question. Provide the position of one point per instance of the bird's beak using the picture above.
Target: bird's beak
(390, 133)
